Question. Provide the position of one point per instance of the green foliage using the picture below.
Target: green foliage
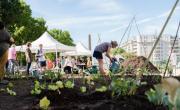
(10, 85)
(38, 88)
(62, 36)
(30, 31)
(155, 96)
(117, 51)
(11, 92)
(8, 89)
(52, 87)
(69, 84)
(13, 11)
(127, 55)
(44, 103)
(51, 75)
(158, 96)
(83, 89)
(122, 86)
(16, 14)
(51, 56)
(101, 89)
(56, 86)
(60, 84)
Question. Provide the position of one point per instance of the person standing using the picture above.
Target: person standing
(41, 58)
(29, 58)
(104, 48)
(5, 41)
(12, 58)
(89, 62)
(68, 65)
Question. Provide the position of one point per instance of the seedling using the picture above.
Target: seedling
(101, 89)
(83, 89)
(69, 84)
(44, 103)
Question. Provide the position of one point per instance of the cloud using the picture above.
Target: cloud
(105, 6)
(145, 20)
(103, 20)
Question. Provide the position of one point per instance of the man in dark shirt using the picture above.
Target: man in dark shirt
(29, 58)
(5, 42)
(104, 48)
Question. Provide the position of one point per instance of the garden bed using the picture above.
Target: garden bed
(73, 99)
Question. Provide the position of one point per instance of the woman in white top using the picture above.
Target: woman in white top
(41, 58)
(68, 65)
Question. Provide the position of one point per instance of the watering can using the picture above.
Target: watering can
(114, 66)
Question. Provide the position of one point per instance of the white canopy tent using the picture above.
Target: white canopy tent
(49, 45)
(80, 50)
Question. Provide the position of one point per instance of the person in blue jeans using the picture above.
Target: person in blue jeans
(104, 48)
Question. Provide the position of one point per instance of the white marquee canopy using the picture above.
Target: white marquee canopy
(49, 45)
(80, 50)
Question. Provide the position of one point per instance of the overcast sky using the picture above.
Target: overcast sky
(106, 18)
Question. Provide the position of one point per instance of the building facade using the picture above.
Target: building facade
(142, 45)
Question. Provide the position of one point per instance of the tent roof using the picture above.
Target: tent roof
(81, 50)
(49, 44)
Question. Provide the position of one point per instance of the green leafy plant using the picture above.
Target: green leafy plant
(60, 84)
(69, 84)
(51, 75)
(102, 89)
(11, 92)
(122, 86)
(52, 87)
(38, 88)
(156, 95)
(44, 103)
(83, 89)
(8, 89)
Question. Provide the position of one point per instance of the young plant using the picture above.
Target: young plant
(58, 85)
(52, 87)
(156, 95)
(122, 86)
(69, 84)
(83, 89)
(102, 89)
(38, 88)
(44, 103)
(8, 89)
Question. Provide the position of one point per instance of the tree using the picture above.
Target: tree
(17, 16)
(62, 36)
(13, 11)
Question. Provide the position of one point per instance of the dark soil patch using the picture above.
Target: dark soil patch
(23, 100)
(73, 99)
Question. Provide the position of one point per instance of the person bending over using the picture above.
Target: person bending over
(104, 48)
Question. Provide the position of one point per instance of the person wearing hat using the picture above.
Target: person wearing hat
(104, 48)
(5, 41)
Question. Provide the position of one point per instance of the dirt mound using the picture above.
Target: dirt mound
(138, 62)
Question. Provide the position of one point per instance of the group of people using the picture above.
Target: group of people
(66, 63)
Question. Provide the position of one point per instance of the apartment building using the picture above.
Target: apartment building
(142, 45)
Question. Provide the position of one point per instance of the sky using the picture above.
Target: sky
(106, 19)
